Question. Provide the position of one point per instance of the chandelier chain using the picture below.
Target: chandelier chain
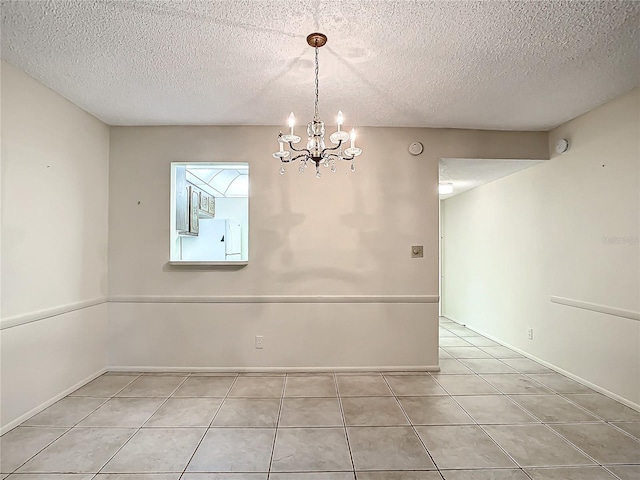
(316, 117)
(317, 152)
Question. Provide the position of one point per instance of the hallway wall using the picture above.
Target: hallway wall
(55, 162)
(566, 228)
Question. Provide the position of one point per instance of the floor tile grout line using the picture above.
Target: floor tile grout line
(162, 404)
(106, 399)
(563, 394)
(608, 470)
(344, 424)
(275, 433)
(490, 437)
(512, 393)
(139, 428)
(534, 417)
(597, 419)
(206, 430)
(527, 375)
(481, 348)
(68, 429)
(610, 423)
(516, 371)
(133, 379)
(413, 428)
(484, 430)
(471, 374)
(565, 439)
(13, 472)
(576, 404)
(551, 370)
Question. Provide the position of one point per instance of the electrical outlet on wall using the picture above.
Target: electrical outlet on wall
(259, 341)
(530, 333)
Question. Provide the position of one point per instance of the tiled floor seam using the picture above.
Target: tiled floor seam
(524, 356)
(69, 428)
(555, 392)
(596, 462)
(611, 424)
(527, 374)
(184, 471)
(611, 473)
(38, 452)
(502, 393)
(143, 424)
(490, 437)
(344, 424)
(275, 434)
(595, 414)
(415, 432)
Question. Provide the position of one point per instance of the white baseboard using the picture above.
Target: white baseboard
(421, 368)
(572, 376)
(34, 411)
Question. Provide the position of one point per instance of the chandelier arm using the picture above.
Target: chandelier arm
(299, 150)
(341, 157)
(299, 156)
(327, 149)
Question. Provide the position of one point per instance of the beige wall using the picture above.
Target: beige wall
(343, 236)
(69, 182)
(565, 228)
(55, 161)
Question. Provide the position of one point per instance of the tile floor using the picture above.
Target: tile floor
(489, 414)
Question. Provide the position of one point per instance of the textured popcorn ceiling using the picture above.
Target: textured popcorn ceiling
(492, 65)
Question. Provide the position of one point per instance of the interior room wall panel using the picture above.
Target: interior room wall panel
(55, 200)
(566, 228)
(341, 236)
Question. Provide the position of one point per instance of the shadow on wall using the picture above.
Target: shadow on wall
(328, 239)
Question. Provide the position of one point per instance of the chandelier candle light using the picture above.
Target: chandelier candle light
(316, 150)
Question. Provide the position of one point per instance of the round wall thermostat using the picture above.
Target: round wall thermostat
(562, 145)
(415, 148)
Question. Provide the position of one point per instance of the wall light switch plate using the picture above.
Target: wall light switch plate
(416, 251)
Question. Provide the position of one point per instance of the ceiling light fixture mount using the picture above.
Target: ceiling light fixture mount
(316, 150)
(316, 40)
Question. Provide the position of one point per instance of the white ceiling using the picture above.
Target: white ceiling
(467, 173)
(527, 65)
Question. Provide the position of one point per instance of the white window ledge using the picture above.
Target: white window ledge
(181, 263)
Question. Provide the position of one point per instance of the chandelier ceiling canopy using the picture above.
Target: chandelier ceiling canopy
(316, 150)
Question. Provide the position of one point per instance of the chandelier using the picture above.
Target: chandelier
(316, 150)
